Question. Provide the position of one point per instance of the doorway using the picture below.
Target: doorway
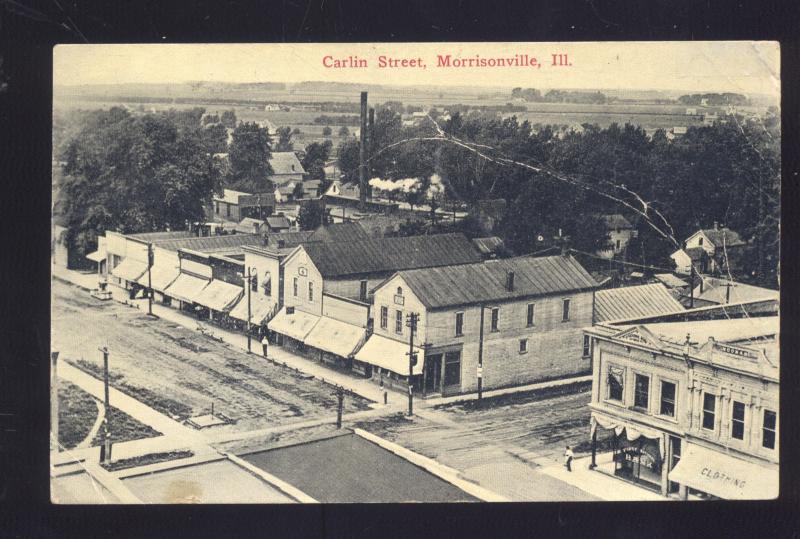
(432, 374)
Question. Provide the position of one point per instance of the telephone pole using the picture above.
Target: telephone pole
(54, 396)
(480, 358)
(106, 450)
(247, 280)
(413, 318)
(149, 279)
(339, 410)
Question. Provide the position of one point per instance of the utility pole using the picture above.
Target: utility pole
(728, 286)
(149, 279)
(106, 450)
(412, 359)
(691, 285)
(362, 157)
(247, 279)
(480, 358)
(340, 397)
(54, 396)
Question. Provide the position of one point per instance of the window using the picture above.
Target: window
(769, 429)
(587, 346)
(399, 290)
(459, 324)
(294, 287)
(667, 399)
(709, 410)
(565, 311)
(267, 284)
(641, 391)
(699, 241)
(216, 208)
(310, 291)
(362, 292)
(253, 279)
(617, 245)
(452, 368)
(227, 210)
(398, 322)
(495, 318)
(523, 346)
(531, 314)
(737, 420)
(384, 317)
(615, 383)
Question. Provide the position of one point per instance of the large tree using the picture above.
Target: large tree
(317, 154)
(249, 154)
(134, 174)
(284, 143)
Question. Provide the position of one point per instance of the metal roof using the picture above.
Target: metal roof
(347, 231)
(285, 163)
(670, 280)
(230, 196)
(381, 255)
(486, 282)
(632, 302)
(209, 244)
(716, 290)
(488, 245)
(162, 235)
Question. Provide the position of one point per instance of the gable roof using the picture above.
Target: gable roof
(210, 244)
(382, 255)
(716, 290)
(285, 163)
(230, 196)
(488, 245)
(486, 282)
(633, 302)
(616, 220)
(278, 221)
(347, 231)
(722, 235)
(248, 224)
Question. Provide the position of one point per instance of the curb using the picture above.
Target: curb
(270, 479)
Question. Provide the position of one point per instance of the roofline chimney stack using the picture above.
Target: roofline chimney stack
(716, 225)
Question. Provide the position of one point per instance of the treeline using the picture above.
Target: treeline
(560, 96)
(714, 99)
(550, 182)
(342, 119)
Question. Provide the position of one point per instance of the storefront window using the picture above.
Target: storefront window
(709, 410)
(452, 368)
(641, 396)
(667, 399)
(769, 429)
(615, 383)
(737, 420)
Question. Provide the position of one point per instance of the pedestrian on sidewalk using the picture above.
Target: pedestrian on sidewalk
(265, 344)
(568, 456)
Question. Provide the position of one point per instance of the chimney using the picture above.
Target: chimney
(716, 225)
(281, 244)
(510, 281)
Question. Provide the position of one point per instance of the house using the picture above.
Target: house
(689, 408)
(277, 223)
(691, 111)
(286, 167)
(620, 233)
(236, 205)
(713, 290)
(249, 225)
(271, 107)
(717, 249)
(343, 189)
(507, 322)
(633, 302)
(709, 118)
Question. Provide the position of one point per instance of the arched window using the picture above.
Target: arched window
(399, 290)
(254, 279)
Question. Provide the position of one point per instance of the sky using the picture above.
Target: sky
(732, 66)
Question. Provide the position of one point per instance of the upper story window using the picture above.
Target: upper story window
(531, 318)
(495, 318)
(587, 346)
(667, 399)
(709, 410)
(641, 391)
(737, 420)
(267, 284)
(227, 210)
(399, 290)
(254, 280)
(459, 324)
(565, 310)
(700, 241)
(616, 385)
(362, 290)
(216, 208)
(294, 286)
(398, 322)
(310, 291)
(523, 346)
(384, 317)
(769, 429)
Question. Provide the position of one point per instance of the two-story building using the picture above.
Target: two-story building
(509, 321)
(690, 407)
(710, 250)
(286, 168)
(620, 233)
(234, 205)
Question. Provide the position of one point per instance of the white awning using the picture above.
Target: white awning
(161, 275)
(219, 295)
(296, 325)
(336, 337)
(389, 354)
(725, 476)
(261, 308)
(130, 269)
(97, 256)
(186, 287)
(632, 431)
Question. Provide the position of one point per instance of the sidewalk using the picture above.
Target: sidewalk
(87, 281)
(430, 402)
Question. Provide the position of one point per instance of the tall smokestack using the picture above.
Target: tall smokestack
(362, 157)
(370, 146)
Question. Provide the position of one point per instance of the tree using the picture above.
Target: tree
(284, 143)
(311, 215)
(215, 138)
(348, 159)
(296, 131)
(249, 156)
(317, 154)
(298, 191)
(326, 131)
(344, 131)
(228, 118)
(134, 174)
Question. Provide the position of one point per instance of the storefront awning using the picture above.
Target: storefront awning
(335, 336)
(186, 287)
(219, 295)
(261, 308)
(389, 354)
(724, 476)
(129, 269)
(97, 256)
(161, 276)
(632, 431)
(296, 325)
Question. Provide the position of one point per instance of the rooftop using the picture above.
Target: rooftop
(486, 281)
(278, 221)
(285, 163)
(616, 220)
(347, 231)
(716, 290)
(212, 244)
(162, 235)
(381, 255)
(230, 196)
(634, 302)
(720, 236)
(670, 280)
(489, 245)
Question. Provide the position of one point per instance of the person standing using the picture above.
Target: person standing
(265, 343)
(568, 456)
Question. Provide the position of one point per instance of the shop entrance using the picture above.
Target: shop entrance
(638, 461)
(432, 374)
